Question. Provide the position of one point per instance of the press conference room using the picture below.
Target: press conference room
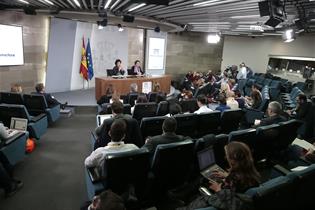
(157, 104)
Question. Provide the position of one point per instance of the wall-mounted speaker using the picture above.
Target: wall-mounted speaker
(128, 18)
(29, 10)
(264, 8)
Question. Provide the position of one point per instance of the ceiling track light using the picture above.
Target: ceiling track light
(120, 28)
(136, 7)
(213, 38)
(23, 1)
(107, 4)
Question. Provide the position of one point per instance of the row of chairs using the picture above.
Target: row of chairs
(35, 104)
(291, 190)
(195, 125)
(289, 99)
(174, 164)
(37, 125)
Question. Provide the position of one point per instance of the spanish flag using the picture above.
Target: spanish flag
(83, 66)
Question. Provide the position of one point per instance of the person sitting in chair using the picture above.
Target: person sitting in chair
(274, 111)
(136, 69)
(118, 69)
(51, 101)
(117, 134)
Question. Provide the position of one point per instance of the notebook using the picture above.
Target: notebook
(207, 165)
(19, 124)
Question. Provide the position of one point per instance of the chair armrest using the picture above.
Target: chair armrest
(94, 175)
(38, 117)
(281, 169)
(13, 138)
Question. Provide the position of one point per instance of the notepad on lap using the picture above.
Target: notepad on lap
(304, 144)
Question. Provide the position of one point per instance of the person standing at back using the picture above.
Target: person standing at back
(241, 77)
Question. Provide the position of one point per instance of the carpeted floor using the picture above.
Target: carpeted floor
(53, 174)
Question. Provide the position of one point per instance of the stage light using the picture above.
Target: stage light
(288, 35)
(157, 29)
(120, 28)
(213, 38)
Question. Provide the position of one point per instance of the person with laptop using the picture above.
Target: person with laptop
(117, 134)
(240, 176)
(169, 136)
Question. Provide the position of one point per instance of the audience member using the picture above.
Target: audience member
(241, 176)
(169, 136)
(159, 98)
(136, 69)
(16, 88)
(274, 111)
(142, 98)
(107, 200)
(241, 77)
(51, 101)
(156, 87)
(133, 88)
(118, 69)
(240, 99)
(202, 103)
(117, 112)
(222, 104)
(254, 101)
(230, 100)
(117, 134)
(174, 109)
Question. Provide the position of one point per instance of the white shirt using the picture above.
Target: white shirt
(232, 103)
(203, 109)
(97, 157)
(3, 132)
(242, 73)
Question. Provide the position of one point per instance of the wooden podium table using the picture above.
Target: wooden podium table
(122, 85)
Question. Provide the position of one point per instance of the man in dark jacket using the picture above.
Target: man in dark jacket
(51, 101)
(274, 115)
(169, 136)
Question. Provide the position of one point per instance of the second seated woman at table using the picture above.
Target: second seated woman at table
(136, 69)
(118, 69)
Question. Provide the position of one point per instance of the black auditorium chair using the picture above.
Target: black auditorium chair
(36, 126)
(133, 133)
(144, 110)
(208, 123)
(186, 124)
(107, 109)
(131, 99)
(267, 136)
(189, 105)
(151, 126)
(230, 120)
(288, 132)
(11, 98)
(152, 96)
(162, 108)
(172, 165)
(36, 104)
(246, 136)
(123, 170)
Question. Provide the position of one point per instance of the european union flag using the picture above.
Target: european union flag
(89, 60)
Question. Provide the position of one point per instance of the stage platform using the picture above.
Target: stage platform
(84, 97)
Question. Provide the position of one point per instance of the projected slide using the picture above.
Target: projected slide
(11, 45)
(156, 53)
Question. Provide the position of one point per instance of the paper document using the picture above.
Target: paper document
(304, 144)
(146, 87)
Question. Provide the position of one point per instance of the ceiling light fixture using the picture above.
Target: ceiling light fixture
(213, 38)
(205, 2)
(49, 2)
(288, 35)
(245, 16)
(120, 28)
(23, 1)
(136, 7)
(113, 5)
(107, 4)
(77, 3)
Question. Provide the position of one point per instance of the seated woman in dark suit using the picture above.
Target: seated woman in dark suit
(118, 69)
(136, 69)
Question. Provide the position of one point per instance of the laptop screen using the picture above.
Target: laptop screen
(206, 158)
(18, 124)
(101, 118)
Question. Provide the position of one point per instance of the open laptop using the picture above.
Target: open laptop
(101, 117)
(19, 124)
(207, 165)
